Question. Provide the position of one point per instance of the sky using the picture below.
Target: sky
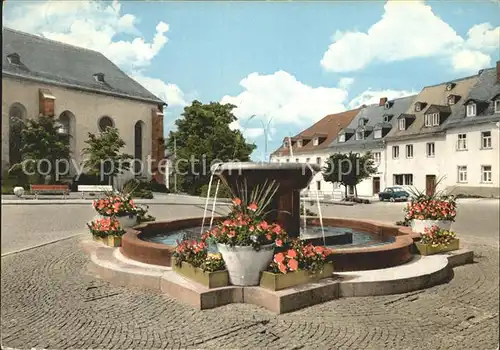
(287, 64)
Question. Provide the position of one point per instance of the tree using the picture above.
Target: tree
(42, 144)
(349, 169)
(103, 155)
(203, 135)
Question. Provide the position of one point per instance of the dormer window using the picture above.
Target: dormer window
(99, 77)
(299, 143)
(471, 110)
(14, 58)
(377, 133)
(450, 86)
(387, 118)
(342, 137)
(432, 119)
(315, 141)
(285, 144)
(419, 106)
(360, 135)
(452, 99)
(497, 106)
(388, 105)
(402, 124)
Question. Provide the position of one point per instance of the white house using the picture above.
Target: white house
(472, 140)
(366, 133)
(311, 146)
(449, 134)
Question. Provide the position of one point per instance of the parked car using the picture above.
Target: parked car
(394, 194)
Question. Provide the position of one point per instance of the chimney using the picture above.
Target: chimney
(382, 102)
(498, 71)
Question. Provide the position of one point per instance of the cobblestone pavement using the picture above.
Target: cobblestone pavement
(49, 301)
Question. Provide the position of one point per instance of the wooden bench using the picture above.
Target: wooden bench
(52, 189)
(94, 189)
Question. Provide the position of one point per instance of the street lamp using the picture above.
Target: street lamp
(266, 133)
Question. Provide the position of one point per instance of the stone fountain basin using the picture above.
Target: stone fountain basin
(397, 252)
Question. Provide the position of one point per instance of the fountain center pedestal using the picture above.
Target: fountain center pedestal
(290, 177)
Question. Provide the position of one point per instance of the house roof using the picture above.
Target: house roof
(435, 98)
(53, 62)
(329, 126)
(486, 90)
(374, 114)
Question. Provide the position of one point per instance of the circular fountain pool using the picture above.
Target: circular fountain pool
(345, 237)
(373, 246)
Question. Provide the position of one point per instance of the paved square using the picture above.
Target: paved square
(50, 301)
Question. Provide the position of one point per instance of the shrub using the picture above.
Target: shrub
(300, 256)
(196, 254)
(224, 191)
(436, 236)
(106, 226)
(138, 189)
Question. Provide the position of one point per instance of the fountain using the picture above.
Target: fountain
(291, 178)
(377, 259)
(357, 244)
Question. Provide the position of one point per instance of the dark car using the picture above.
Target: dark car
(394, 194)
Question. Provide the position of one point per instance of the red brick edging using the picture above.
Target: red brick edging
(352, 259)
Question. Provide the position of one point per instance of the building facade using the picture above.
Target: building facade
(366, 133)
(311, 147)
(84, 91)
(445, 138)
(448, 138)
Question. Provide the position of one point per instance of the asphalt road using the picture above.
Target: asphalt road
(26, 226)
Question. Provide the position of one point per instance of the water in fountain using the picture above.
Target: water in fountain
(285, 207)
(216, 166)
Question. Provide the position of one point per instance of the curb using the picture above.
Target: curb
(41, 244)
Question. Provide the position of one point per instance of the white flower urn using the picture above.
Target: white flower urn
(420, 225)
(244, 264)
(19, 191)
(125, 221)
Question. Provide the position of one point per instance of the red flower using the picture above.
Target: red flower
(237, 201)
(264, 225)
(279, 243)
(279, 257)
(282, 268)
(252, 206)
(277, 228)
(291, 253)
(293, 264)
(231, 234)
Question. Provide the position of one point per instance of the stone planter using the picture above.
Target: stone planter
(214, 279)
(278, 281)
(427, 249)
(420, 225)
(244, 264)
(110, 241)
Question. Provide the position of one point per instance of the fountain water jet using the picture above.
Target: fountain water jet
(291, 178)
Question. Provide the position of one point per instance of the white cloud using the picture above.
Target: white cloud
(369, 97)
(483, 37)
(345, 83)
(468, 60)
(283, 98)
(95, 25)
(253, 133)
(409, 30)
(167, 92)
